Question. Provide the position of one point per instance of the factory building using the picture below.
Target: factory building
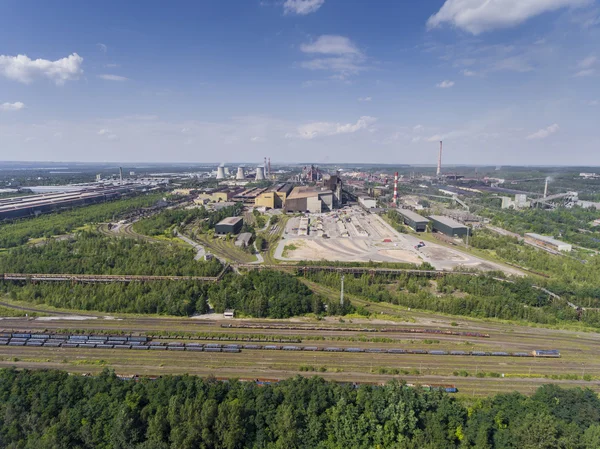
(367, 202)
(519, 202)
(219, 195)
(33, 205)
(547, 242)
(248, 196)
(417, 222)
(309, 199)
(334, 183)
(229, 225)
(243, 240)
(275, 197)
(448, 226)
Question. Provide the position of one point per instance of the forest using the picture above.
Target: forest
(55, 410)
(91, 253)
(261, 294)
(168, 219)
(19, 232)
(571, 225)
(474, 296)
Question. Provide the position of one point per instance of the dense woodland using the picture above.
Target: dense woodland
(20, 231)
(261, 294)
(573, 225)
(168, 219)
(475, 296)
(54, 410)
(91, 253)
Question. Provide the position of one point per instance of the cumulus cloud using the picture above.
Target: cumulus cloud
(445, 84)
(365, 99)
(25, 70)
(302, 7)
(543, 133)
(477, 16)
(318, 129)
(17, 106)
(334, 53)
(109, 77)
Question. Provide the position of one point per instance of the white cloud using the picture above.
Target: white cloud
(468, 72)
(23, 69)
(17, 106)
(477, 16)
(302, 7)
(544, 132)
(445, 84)
(109, 77)
(365, 99)
(102, 47)
(336, 53)
(331, 45)
(257, 139)
(586, 72)
(107, 134)
(317, 129)
(418, 128)
(586, 66)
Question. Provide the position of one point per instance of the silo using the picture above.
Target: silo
(221, 172)
(240, 173)
(260, 173)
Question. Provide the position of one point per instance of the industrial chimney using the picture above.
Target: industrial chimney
(439, 167)
(120, 175)
(260, 173)
(221, 172)
(396, 189)
(240, 173)
(546, 188)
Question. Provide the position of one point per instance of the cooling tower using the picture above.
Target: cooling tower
(260, 173)
(240, 173)
(221, 172)
(227, 171)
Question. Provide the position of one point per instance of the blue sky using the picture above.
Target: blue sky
(378, 81)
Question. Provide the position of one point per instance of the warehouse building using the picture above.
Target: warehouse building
(274, 198)
(547, 242)
(229, 225)
(417, 222)
(309, 199)
(448, 226)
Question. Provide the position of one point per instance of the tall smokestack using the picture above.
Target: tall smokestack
(439, 167)
(269, 168)
(546, 188)
(120, 175)
(396, 188)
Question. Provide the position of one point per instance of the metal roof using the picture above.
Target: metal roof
(412, 216)
(447, 221)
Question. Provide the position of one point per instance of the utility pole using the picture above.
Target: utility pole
(342, 293)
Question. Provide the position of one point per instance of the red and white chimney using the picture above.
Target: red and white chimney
(396, 188)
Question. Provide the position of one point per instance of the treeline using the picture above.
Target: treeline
(181, 298)
(168, 219)
(264, 294)
(474, 296)
(91, 253)
(271, 294)
(54, 410)
(19, 232)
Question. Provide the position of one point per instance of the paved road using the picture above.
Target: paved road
(201, 252)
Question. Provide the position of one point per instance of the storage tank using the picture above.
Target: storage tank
(260, 173)
(240, 173)
(221, 172)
